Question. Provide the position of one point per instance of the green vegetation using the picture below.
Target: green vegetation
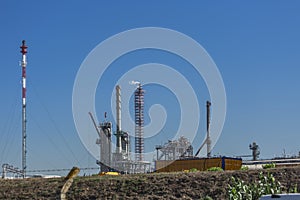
(215, 169)
(193, 170)
(293, 189)
(269, 166)
(244, 168)
(239, 190)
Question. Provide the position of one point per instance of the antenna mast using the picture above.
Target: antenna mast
(23, 64)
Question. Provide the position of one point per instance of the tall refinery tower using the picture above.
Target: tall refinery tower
(23, 64)
(139, 122)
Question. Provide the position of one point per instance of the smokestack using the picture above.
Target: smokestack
(208, 140)
(118, 113)
(23, 64)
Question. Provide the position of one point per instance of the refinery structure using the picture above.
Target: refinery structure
(174, 149)
(121, 159)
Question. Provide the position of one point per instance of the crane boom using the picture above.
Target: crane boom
(94, 122)
(201, 147)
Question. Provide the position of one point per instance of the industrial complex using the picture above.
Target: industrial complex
(173, 155)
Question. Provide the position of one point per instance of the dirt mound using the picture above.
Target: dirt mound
(196, 185)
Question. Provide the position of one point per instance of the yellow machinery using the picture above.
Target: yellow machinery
(109, 174)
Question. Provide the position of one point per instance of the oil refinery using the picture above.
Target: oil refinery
(173, 155)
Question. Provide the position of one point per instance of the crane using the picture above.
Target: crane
(95, 125)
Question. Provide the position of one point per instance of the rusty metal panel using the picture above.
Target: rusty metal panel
(232, 164)
(199, 164)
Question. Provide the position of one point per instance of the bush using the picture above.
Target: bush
(244, 168)
(293, 189)
(193, 170)
(215, 169)
(239, 190)
(269, 166)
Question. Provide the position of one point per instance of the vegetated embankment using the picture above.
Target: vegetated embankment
(181, 185)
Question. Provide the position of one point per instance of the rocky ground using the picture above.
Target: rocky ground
(193, 185)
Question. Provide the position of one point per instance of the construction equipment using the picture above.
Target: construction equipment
(109, 174)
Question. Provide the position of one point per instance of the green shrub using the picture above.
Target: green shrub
(293, 189)
(269, 166)
(244, 168)
(239, 190)
(215, 169)
(193, 170)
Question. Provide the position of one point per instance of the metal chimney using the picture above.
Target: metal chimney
(208, 140)
(118, 113)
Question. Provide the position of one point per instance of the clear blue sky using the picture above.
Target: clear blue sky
(255, 46)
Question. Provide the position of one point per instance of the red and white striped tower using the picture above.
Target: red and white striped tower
(23, 64)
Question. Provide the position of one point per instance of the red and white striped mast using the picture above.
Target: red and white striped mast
(23, 64)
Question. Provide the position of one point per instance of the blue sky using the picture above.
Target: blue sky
(255, 46)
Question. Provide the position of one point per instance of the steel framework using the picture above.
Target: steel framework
(139, 122)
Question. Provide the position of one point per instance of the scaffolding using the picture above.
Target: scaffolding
(139, 123)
